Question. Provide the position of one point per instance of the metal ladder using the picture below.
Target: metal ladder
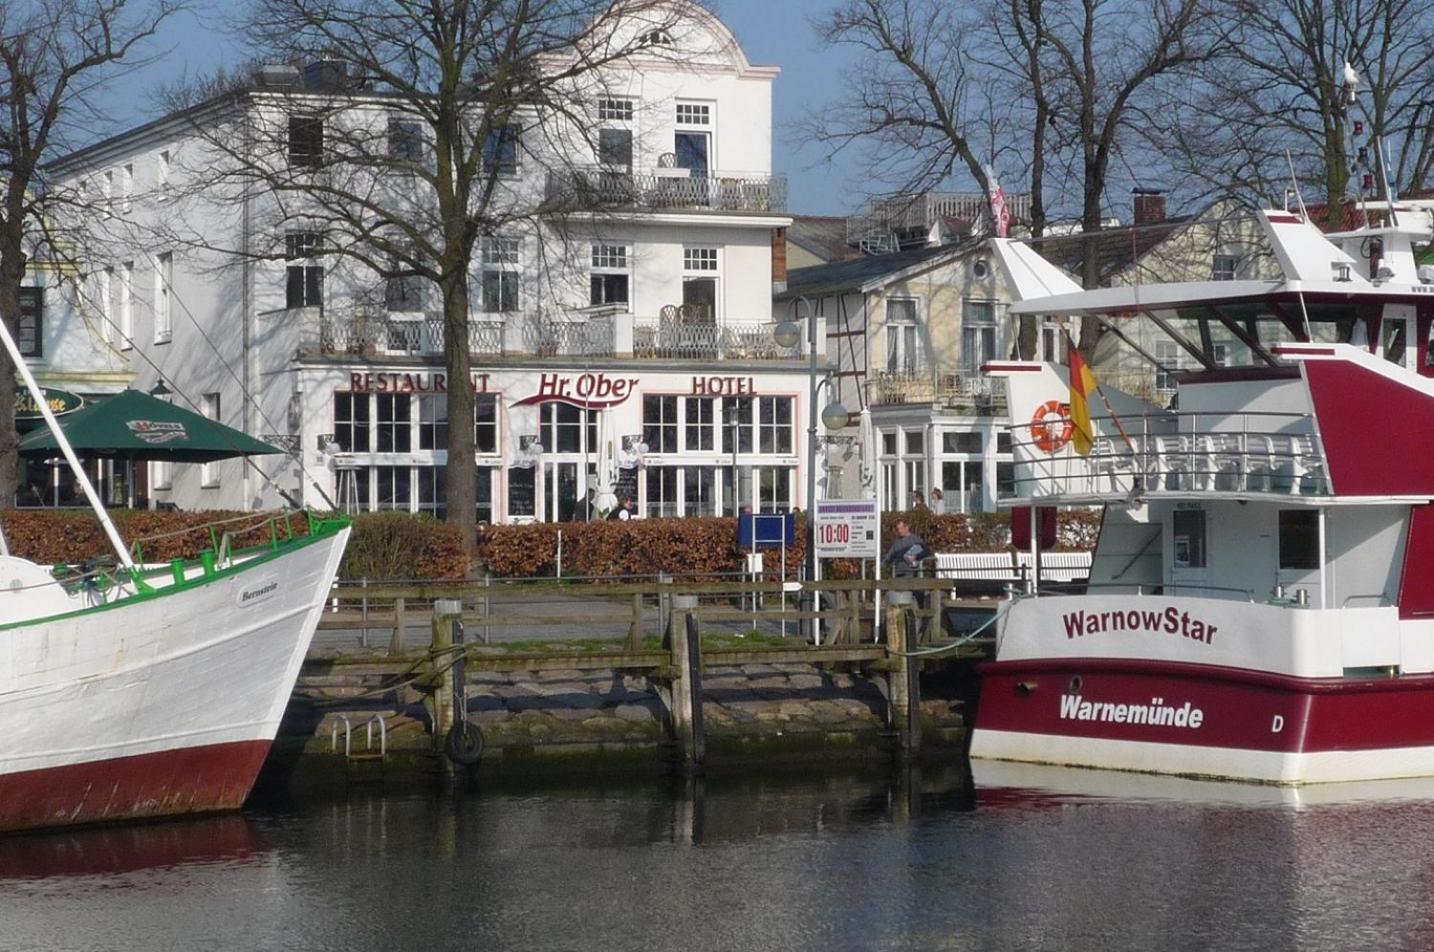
(368, 755)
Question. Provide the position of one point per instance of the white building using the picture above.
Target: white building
(632, 337)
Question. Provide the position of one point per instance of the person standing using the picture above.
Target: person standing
(906, 552)
(917, 502)
(623, 512)
(938, 501)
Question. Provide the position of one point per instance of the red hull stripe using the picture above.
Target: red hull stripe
(191, 780)
(1191, 705)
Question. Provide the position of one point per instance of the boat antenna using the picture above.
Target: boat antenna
(1295, 187)
(69, 451)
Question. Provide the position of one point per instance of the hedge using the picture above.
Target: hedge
(391, 545)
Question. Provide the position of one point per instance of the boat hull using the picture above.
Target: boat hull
(161, 704)
(1204, 721)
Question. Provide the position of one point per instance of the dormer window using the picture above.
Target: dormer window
(655, 38)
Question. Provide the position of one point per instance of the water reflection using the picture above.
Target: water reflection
(800, 859)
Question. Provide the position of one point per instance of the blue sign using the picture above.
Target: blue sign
(764, 530)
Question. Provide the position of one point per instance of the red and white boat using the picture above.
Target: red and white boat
(155, 693)
(1261, 598)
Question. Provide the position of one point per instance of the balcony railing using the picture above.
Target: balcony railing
(925, 386)
(579, 333)
(667, 189)
(704, 340)
(1243, 453)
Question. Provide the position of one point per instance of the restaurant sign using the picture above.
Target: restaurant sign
(60, 402)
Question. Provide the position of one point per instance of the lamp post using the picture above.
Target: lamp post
(834, 415)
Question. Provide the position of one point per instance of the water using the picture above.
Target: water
(803, 860)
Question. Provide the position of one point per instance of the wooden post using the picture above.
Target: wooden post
(904, 712)
(634, 628)
(445, 614)
(687, 682)
(396, 644)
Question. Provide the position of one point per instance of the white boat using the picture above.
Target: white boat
(150, 693)
(1261, 599)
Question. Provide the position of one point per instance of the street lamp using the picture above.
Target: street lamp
(161, 392)
(834, 416)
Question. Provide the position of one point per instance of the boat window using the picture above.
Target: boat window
(1299, 539)
(1189, 538)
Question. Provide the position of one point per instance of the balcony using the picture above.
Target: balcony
(1178, 454)
(677, 334)
(976, 393)
(599, 188)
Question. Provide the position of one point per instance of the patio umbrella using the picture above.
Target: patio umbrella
(135, 426)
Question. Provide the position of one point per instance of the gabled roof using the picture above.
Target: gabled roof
(868, 272)
(823, 236)
(1117, 249)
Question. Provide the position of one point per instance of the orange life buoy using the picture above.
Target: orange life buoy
(1051, 426)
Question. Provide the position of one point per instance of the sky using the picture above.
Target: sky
(771, 32)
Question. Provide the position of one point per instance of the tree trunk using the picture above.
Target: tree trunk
(11, 272)
(461, 474)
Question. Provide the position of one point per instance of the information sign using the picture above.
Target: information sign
(847, 528)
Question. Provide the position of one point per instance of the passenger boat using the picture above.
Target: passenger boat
(142, 693)
(1261, 599)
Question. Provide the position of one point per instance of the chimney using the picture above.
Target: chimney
(779, 260)
(1149, 206)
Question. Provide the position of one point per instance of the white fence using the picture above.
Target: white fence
(1012, 566)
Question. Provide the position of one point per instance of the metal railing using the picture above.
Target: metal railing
(373, 336)
(924, 385)
(593, 337)
(668, 188)
(1243, 453)
(706, 340)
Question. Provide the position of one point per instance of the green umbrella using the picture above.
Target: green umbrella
(135, 426)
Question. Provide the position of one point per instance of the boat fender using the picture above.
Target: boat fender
(1051, 426)
(464, 744)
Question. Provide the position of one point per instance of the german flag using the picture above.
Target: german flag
(1082, 387)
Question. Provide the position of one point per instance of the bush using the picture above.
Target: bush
(49, 536)
(396, 545)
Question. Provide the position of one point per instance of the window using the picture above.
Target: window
(961, 443)
(699, 427)
(433, 422)
(615, 147)
(31, 328)
(126, 304)
(394, 424)
(394, 486)
(1055, 343)
(978, 335)
(403, 293)
(662, 491)
(1189, 538)
(699, 490)
(209, 472)
(109, 185)
(903, 343)
(126, 187)
(163, 297)
(304, 286)
(737, 424)
(774, 415)
(485, 423)
(306, 141)
(1169, 359)
(1299, 539)
(655, 38)
(500, 275)
(609, 280)
(915, 442)
(161, 171)
(351, 422)
(560, 428)
(694, 114)
(405, 139)
(699, 259)
(500, 152)
(104, 295)
(774, 488)
(888, 443)
(619, 110)
(1222, 268)
(659, 423)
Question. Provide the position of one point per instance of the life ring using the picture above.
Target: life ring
(1051, 426)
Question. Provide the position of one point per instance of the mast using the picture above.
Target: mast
(39, 397)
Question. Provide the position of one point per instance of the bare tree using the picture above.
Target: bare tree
(54, 57)
(402, 152)
(1276, 98)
